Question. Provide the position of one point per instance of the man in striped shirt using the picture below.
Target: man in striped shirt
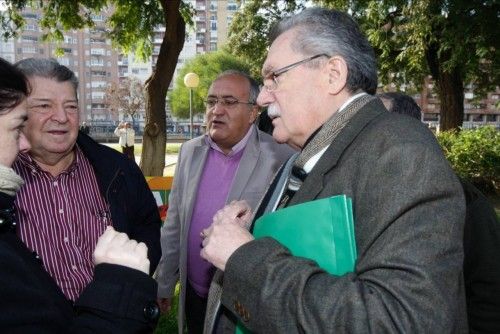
(74, 187)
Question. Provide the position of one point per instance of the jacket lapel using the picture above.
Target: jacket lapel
(195, 169)
(313, 184)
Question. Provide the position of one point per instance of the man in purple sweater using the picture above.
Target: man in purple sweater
(232, 161)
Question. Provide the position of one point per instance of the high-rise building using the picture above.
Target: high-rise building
(87, 52)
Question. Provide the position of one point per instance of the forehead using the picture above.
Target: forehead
(230, 85)
(280, 52)
(51, 89)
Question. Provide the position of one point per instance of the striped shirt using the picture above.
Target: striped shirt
(60, 218)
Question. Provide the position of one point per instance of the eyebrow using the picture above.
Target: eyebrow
(41, 99)
(222, 96)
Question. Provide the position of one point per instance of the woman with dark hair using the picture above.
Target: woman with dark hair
(120, 299)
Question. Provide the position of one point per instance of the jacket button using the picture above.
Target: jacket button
(151, 311)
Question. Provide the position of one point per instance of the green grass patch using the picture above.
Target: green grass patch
(167, 324)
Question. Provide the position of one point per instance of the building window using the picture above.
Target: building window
(29, 49)
(477, 117)
(213, 25)
(491, 118)
(29, 39)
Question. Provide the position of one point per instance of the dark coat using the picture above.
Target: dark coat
(118, 299)
(482, 262)
(132, 205)
(409, 217)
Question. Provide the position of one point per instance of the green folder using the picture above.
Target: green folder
(320, 230)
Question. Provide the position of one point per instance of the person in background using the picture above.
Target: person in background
(408, 208)
(481, 241)
(74, 187)
(126, 135)
(232, 161)
(120, 297)
(84, 128)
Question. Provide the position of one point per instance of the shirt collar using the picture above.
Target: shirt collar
(236, 148)
(308, 166)
(28, 161)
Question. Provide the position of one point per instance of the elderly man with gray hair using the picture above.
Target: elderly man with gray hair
(74, 187)
(408, 206)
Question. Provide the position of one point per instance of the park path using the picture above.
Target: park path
(170, 162)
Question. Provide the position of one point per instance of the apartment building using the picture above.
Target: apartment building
(86, 52)
(477, 113)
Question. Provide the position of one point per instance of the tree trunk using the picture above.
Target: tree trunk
(451, 96)
(155, 135)
(449, 83)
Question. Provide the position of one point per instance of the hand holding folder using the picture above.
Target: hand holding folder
(320, 230)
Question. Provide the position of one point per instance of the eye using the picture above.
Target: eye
(229, 102)
(211, 102)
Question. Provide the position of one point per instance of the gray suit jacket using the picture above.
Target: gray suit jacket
(408, 214)
(260, 161)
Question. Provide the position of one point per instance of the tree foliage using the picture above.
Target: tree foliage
(474, 155)
(126, 97)
(247, 38)
(454, 41)
(207, 66)
(129, 27)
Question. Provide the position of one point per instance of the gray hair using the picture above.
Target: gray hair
(47, 68)
(254, 85)
(331, 32)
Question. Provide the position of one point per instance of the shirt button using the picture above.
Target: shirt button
(61, 211)
(73, 267)
(66, 239)
(55, 183)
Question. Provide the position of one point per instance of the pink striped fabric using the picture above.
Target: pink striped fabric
(60, 218)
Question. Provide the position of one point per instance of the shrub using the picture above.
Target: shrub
(474, 155)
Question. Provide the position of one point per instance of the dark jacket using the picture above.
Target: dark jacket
(482, 262)
(117, 300)
(409, 213)
(132, 205)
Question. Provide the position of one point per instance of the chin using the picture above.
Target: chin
(280, 137)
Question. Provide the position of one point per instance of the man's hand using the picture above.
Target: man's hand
(236, 212)
(116, 248)
(221, 240)
(165, 304)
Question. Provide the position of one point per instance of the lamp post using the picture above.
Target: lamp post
(191, 80)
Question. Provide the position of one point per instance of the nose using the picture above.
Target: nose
(59, 114)
(218, 109)
(24, 144)
(265, 98)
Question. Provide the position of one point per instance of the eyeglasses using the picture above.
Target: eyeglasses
(271, 80)
(227, 102)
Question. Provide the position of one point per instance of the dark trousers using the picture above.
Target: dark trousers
(195, 309)
(129, 151)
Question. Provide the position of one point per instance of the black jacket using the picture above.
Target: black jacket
(132, 205)
(118, 299)
(482, 262)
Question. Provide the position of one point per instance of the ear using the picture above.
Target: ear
(337, 74)
(254, 113)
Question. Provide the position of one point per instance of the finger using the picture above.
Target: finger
(142, 249)
(120, 239)
(108, 235)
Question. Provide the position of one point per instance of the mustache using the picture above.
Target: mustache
(273, 111)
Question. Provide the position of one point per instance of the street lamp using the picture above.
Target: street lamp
(191, 80)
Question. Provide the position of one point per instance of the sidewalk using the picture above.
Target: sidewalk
(170, 162)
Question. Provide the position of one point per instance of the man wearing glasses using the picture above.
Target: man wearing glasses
(408, 207)
(74, 188)
(232, 161)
